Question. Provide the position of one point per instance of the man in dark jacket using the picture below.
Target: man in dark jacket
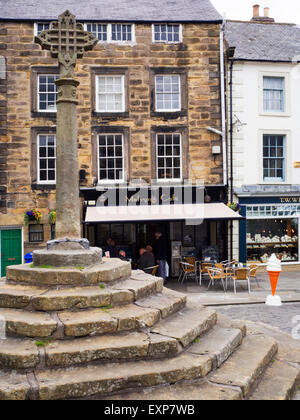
(161, 253)
(146, 260)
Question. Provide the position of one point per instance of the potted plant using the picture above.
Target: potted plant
(32, 216)
(234, 206)
(52, 216)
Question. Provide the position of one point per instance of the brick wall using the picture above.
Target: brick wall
(199, 54)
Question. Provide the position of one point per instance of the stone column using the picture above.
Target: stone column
(67, 184)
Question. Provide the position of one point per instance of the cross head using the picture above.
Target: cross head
(67, 40)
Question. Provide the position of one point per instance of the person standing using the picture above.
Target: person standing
(161, 251)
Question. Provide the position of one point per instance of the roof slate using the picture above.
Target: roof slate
(264, 42)
(112, 10)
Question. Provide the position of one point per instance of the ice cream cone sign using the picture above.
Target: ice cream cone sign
(274, 270)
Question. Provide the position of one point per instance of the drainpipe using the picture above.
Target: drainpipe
(231, 153)
(223, 103)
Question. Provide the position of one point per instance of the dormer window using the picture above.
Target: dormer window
(112, 32)
(40, 27)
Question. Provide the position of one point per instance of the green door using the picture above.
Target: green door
(11, 248)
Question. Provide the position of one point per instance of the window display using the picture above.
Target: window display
(268, 236)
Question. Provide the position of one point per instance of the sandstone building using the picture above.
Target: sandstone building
(149, 96)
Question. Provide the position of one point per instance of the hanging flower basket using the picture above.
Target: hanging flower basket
(234, 206)
(32, 216)
(52, 216)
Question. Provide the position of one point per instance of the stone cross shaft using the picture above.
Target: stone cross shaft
(67, 40)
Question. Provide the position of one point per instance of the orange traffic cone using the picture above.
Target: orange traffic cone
(274, 276)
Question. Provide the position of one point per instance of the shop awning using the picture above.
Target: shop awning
(191, 213)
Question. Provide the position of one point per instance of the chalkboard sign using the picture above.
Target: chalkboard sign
(210, 252)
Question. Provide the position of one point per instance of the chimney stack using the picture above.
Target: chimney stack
(256, 10)
(261, 19)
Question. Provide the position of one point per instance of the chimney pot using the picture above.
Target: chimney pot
(267, 12)
(256, 10)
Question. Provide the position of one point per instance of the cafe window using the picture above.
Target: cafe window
(267, 236)
(111, 157)
(274, 158)
(169, 165)
(46, 158)
(36, 233)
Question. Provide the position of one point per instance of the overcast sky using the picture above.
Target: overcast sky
(280, 10)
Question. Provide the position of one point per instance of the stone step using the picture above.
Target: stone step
(186, 391)
(111, 269)
(219, 344)
(105, 379)
(24, 354)
(58, 299)
(28, 324)
(188, 324)
(247, 365)
(279, 382)
(13, 386)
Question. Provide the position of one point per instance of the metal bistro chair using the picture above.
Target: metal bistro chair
(152, 269)
(203, 269)
(186, 271)
(253, 272)
(216, 274)
(241, 274)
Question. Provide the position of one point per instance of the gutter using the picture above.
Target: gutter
(223, 103)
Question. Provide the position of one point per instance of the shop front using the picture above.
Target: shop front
(190, 228)
(271, 226)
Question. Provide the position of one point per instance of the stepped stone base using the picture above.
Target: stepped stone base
(104, 332)
(68, 258)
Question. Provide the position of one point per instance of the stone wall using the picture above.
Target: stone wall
(198, 54)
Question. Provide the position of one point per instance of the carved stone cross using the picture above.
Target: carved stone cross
(67, 40)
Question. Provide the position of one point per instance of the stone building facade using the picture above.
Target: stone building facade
(194, 59)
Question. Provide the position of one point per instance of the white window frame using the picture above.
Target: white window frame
(179, 93)
(108, 181)
(43, 182)
(98, 23)
(167, 42)
(38, 93)
(35, 26)
(164, 180)
(286, 77)
(123, 93)
(109, 33)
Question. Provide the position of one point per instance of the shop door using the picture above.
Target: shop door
(11, 248)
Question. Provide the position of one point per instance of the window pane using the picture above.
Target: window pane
(46, 158)
(168, 163)
(110, 94)
(167, 88)
(111, 157)
(47, 92)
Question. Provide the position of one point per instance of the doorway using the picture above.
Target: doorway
(11, 248)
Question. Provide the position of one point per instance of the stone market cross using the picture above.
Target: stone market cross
(67, 41)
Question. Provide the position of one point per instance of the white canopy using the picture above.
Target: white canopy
(191, 213)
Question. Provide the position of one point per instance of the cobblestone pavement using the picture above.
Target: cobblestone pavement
(280, 317)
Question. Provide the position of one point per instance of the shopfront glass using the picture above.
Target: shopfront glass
(278, 235)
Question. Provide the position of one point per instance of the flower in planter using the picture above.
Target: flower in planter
(234, 206)
(32, 216)
(52, 216)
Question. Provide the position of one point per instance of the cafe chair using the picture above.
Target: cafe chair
(241, 274)
(216, 274)
(187, 270)
(152, 270)
(203, 269)
(253, 272)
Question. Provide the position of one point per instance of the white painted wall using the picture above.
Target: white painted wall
(251, 123)
(248, 107)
